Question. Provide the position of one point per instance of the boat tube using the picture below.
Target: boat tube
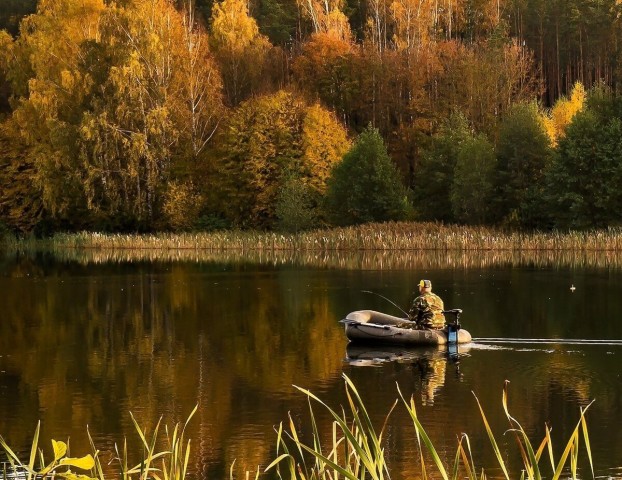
(369, 326)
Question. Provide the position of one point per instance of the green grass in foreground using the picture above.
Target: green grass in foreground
(355, 453)
(379, 236)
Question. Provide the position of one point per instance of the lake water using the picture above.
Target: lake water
(87, 339)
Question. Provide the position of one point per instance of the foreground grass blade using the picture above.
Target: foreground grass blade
(10, 453)
(343, 471)
(569, 446)
(424, 436)
(549, 441)
(586, 437)
(424, 473)
(350, 388)
(360, 450)
(493, 442)
(98, 470)
(365, 425)
(468, 463)
(33, 451)
(352, 434)
(516, 429)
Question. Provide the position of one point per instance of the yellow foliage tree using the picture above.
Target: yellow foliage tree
(268, 141)
(485, 80)
(563, 112)
(239, 47)
(324, 143)
(232, 27)
(162, 100)
(414, 21)
(198, 83)
(449, 17)
(327, 17)
(51, 87)
(130, 91)
(182, 205)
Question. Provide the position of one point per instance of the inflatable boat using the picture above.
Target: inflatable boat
(368, 326)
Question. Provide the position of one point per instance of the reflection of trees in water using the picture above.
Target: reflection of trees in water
(86, 348)
(89, 345)
(368, 259)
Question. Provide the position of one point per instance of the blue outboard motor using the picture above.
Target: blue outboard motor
(453, 327)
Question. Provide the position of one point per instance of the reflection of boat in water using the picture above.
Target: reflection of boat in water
(375, 327)
(429, 363)
(365, 354)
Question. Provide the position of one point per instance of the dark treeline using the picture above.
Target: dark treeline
(142, 115)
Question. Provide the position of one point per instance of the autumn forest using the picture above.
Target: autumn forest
(161, 115)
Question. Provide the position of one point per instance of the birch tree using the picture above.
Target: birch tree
(239, 47)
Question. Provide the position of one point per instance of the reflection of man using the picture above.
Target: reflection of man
(432, 377)
(427, 308)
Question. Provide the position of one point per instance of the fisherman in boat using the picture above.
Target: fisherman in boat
(427, 308)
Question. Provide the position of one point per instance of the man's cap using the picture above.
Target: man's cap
(425, 284)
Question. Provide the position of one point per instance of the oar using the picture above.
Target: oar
(355, 323)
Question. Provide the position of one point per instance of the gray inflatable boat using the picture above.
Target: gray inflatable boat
(370, 326)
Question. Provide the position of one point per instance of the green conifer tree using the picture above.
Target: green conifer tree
(366, 186)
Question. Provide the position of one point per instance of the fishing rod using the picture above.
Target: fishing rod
(390, 301)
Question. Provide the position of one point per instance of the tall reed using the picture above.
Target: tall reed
(357, 452)
(405, 236)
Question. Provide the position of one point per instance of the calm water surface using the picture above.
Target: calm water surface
(85, 343)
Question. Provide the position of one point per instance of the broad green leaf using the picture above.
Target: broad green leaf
(60, 449)
(84, 463)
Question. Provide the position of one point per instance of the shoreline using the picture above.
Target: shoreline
(379, 237)
(372, 246)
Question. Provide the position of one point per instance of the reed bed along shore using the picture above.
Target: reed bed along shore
(391, 236)
(356, 260)
(372, 246)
